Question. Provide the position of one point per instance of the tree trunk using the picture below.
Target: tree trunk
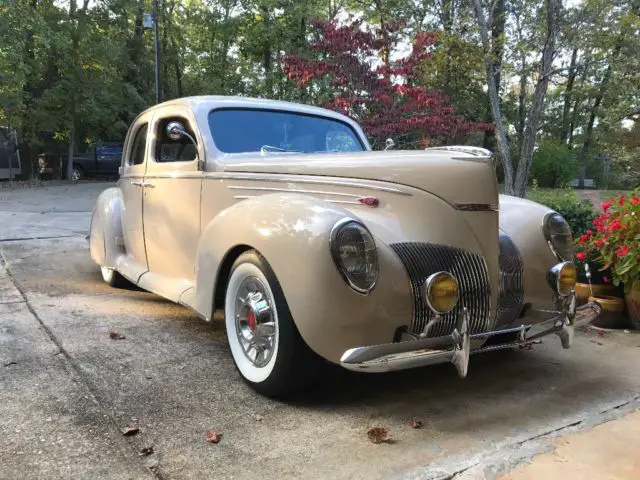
(498, 21)
(566, 111)
(537, 104)
(73, 18)
(588, 138)
(27, 130)
(522, 96)
(494, 98)
(70, 153)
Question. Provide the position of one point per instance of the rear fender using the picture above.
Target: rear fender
(106, 239)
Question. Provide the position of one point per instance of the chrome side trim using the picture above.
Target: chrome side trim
(244, 197)
(476, 207)
(475, 151)
(294, 190)
(175, 174)
(294, 178)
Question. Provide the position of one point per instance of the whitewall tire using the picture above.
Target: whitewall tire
(265, 344)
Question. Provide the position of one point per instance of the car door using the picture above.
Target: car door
(134, 163)
(172, 203)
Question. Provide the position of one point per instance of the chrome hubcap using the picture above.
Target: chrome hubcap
(255, 325)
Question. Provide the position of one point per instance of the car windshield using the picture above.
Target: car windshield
(252, 130)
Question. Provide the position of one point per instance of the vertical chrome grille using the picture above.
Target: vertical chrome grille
(511, 293)
(423, 259)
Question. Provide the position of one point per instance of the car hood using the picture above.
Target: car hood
(458, 178)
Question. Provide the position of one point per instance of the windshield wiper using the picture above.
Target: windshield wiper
(271, 148)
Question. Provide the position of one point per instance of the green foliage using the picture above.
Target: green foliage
(554, 165)
(578, 213)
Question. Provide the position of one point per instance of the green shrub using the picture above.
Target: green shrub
(578, 213)
(554, 165)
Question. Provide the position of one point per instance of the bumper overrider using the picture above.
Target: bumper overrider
(456, 347)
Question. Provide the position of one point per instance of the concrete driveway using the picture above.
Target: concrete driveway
(67, 389)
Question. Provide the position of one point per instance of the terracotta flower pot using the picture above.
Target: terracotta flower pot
(583, 292)
(612, 315)
(632, 299)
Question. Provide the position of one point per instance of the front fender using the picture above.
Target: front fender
(292, 233)
(105, 237)
(522, 220)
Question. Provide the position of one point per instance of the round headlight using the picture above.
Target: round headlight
(557, 232)
(354, 253)
(563, 278)
(441, 292)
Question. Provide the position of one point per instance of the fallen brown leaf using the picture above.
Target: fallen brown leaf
(601, 333)
(213, 437)
(596, 342)
(115, 335)
(146, 451)
(415, 423)
(129, 431)
(378, 434)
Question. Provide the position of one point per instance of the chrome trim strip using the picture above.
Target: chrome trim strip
(294, 190)
(174, 175)
(347, 202)
(293, 178)
(476, 151)
(476, 207)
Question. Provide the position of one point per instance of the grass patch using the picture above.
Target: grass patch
(607, 194)
(551, 195)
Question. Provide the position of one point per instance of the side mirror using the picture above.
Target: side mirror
(175, 131)
(389, 143)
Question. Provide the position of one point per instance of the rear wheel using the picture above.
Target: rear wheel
(113, 278)
(266, 346)
(76, 174)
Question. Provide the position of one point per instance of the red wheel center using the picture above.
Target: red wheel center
(251, 320)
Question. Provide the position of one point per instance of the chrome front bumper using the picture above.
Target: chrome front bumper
(456, 348)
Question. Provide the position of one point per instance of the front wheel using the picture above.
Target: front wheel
(266, 346)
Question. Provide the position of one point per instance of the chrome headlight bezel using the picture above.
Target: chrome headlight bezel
(554, 277)
(334, 247)
(552, 232)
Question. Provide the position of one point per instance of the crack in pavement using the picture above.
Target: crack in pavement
(26, 239)
(83, 380)
(505, 457)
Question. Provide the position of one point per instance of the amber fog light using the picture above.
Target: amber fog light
(563, 277)
(441, 292)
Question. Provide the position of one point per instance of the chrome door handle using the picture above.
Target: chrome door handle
(147, 184)
(137, 184)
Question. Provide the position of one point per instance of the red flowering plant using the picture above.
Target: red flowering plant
(614, 241)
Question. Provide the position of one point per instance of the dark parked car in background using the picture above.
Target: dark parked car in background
(102, 160)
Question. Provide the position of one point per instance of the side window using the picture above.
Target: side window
(167, 150)
(136, 156)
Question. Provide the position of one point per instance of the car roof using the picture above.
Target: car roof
(210, 102)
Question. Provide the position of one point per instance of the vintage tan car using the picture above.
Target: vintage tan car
(319, 249)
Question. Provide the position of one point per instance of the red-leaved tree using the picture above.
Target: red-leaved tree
(350, 71)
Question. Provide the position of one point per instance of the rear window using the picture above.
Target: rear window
(252, 130)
